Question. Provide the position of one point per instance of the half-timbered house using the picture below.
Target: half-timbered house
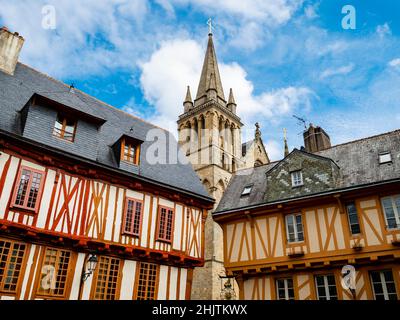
(291, 226)
(82, 182)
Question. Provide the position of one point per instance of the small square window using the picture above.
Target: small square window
(130, 152)
(246, 191)
(65, 128)
(385, 157)
(297, 178)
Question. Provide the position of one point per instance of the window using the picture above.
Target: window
(294, 228)
(28, 188)
(297, 178)
(353, 218)
(165, 224)
(284, 289)
(391, 207)
(11, 259)
(385, 157)
(130, 152)
(246, 191)
(106, 279)
(146, 285)
(133, 217)
(383, 285)
(64, 128)
(326, 287)
(55, 272)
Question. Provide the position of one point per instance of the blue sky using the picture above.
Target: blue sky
(281, 57)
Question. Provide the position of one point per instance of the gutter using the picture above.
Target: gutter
(315, 195)
(39, 145)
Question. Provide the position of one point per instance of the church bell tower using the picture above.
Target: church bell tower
(210, 135)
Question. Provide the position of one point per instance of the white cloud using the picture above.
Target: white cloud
(383, 30)
(277, 11)
(395, 63)
(178, 63)
(89, 38)
(274, 149)
(337, 71)
(311, 11)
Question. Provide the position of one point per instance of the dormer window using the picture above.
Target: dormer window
(297, 178)
(385, 157)
(130, 151)
(65, 128)
(246, 191)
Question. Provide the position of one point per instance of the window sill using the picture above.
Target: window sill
(298, 186)
(130, 163)
(128, 234)
(24, 210)
(295, 243)
(164, 241)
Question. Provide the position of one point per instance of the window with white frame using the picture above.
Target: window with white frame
(383, 285)
(297, 178)
(246, 191)
(391, 207)
(326, 287)
(294, 228)
(385, 157)
(284, 289)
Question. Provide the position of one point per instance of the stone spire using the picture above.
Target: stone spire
(258, 132)
(231, 101)
(188, 103)
(286, 152)
(210, 77)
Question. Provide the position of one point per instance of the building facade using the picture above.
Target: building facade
(82, 182)
(299, 227)
(210, 135)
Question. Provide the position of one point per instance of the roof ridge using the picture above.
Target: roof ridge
(92, 97)
(361, 139)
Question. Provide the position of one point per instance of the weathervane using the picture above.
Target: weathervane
(210, 26)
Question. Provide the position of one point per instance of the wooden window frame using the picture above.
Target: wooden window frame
(21, 271)
(163, 239)
(396, 212)
(326, 285)
(69, 276)
(96, 276)
(348, 218)
(60, 133)
(131, 233)
(296, 232)
(131, 145)
(137, 277)
(383, 283)
(286, 288)
(39, 194)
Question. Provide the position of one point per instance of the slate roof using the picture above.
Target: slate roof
(15, 92)
(357, 160)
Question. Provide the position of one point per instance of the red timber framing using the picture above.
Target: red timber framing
(85, 172)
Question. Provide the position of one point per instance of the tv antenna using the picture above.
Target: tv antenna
(301, 121)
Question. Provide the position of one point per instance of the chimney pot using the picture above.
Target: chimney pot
(10, 47)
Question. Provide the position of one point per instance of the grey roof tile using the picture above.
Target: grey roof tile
(357, 160)
(15, 92)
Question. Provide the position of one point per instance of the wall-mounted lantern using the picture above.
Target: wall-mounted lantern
(91, 265)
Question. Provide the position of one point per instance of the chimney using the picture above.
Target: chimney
(316, 139)
(10, 47)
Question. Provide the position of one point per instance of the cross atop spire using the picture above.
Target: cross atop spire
(210, 77)
(210, 27)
